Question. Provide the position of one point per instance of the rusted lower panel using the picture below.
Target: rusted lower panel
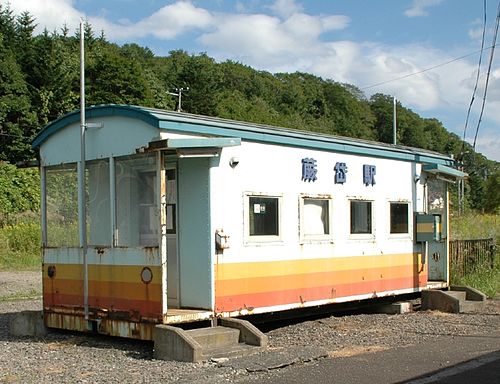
(142, 330)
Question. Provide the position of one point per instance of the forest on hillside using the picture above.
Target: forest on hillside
(39, 82)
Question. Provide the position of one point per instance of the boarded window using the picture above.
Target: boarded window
(316, 217)
(399, 217)
(361, 217)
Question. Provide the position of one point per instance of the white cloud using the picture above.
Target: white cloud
(166, 23)
(488, 143)
(286, 8)
(419, 7)
(52, 15)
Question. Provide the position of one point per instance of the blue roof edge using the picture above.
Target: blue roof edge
(93, 112)
(206, 125)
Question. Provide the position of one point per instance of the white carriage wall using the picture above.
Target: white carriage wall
(277, 171)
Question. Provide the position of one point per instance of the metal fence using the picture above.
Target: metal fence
(468, 255)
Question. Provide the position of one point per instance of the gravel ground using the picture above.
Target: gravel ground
(74, 357)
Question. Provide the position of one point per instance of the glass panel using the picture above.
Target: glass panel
(399, 218)
(62, 206)
(137, 218)
(436, 195)
(263, 218)
(361, 217)
(98, 204)
(316, 217)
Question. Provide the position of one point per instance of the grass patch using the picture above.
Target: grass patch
(482, 277)
(20, 245)
(474, 226)
(23, 295)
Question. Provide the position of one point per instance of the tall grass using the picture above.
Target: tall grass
(475, 226)
(20, 244)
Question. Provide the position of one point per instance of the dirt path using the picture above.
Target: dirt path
(20, 284)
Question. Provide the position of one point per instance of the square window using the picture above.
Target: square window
(399, 217)
(263, 216)
(315, 218)
(361, 217)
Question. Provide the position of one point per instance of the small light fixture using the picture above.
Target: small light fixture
(234, 161)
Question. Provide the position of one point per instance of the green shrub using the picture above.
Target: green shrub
(483, 278)
(474, 226)
(20, 245)
(19, 191)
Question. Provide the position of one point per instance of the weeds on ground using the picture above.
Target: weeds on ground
(475, 226)
(23, 295)
(20, 245)
(483, 277)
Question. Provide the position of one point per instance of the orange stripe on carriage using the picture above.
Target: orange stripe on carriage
(300, 295)
(114, 289)
(310, 280)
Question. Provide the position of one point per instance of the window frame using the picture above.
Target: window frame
(315, 238)
(357, 235)
(259, 239)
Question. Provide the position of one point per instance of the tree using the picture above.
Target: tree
(17, 123)
(492, 189)
(112, 78)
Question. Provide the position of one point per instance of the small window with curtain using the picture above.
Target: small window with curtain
(315, 218)
(361, 217)
(399, 218)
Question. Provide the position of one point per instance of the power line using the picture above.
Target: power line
(477, 77)
(487, 75)
(426, 70)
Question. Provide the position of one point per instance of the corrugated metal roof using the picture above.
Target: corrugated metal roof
(213, 126)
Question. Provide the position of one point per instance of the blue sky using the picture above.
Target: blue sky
(361, 42)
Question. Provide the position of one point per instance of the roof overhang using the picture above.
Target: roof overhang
(194, 147)
(444, 172)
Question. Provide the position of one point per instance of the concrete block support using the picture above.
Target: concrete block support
(470, 293)
(397, 308)
(28, 323)
(435, 299)
(172, 343)
(249, 334)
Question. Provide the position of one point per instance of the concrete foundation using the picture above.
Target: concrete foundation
(172, 343)
(234, 337)
(394, 308)
(28, 323)
(458, 299)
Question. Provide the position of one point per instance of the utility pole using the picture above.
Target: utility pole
(81, 177)
(178, 94)
(394, 122)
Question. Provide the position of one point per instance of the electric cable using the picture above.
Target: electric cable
(425, 70)
(492, 52)
(477, 80)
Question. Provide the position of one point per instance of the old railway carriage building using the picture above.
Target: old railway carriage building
(186, 217)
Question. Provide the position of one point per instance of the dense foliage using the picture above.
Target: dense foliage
(39, 82)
